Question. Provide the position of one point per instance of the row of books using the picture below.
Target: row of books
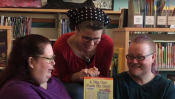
(64, 26)
(142, 32)
(165, 55)
(151, 13)
(21, 26)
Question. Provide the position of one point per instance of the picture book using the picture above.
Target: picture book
(3, 47)
(98, 88)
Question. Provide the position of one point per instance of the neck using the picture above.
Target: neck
(44, 85)
(141, 80)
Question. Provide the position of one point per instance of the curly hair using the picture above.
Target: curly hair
(17, 65)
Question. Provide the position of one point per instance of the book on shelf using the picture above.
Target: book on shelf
(151, 13)
(3, 48)
(98, 88)
(165, 55)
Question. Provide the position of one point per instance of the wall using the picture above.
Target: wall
(120, 3)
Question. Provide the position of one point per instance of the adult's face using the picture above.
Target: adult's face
(42, 67)
(89, 38)
(139, 68)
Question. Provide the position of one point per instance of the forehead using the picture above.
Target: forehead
(48, 49)
(90, 32)
(139, 48)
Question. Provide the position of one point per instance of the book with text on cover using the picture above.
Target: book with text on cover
(98, 88)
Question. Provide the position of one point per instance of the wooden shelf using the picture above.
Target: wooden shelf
(5, 27)
(46, 10)
(166, 69)
(2, 68)
(145, 29)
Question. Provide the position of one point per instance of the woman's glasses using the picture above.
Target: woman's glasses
(49, 60)
(88, 39)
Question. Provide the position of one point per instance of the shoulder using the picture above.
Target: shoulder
(55, 83)
(17, 89)
(61, 42)
(106, 41)
(106, 38)
(163, 81)
(121, 76)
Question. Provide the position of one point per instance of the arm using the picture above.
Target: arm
(61, 67)
(20, 91)
(106, 59)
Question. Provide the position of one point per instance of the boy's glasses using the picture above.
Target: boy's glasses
(138, 58)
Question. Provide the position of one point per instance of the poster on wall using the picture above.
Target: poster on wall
(104, 4)
(71, 4)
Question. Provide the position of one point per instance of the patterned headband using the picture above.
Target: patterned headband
(88, 13)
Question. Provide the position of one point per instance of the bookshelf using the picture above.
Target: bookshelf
(48, 17)
(122, 36)
(8, 28)
(48, 10)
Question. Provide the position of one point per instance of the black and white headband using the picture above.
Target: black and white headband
(88, 13)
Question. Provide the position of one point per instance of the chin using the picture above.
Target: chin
(134, 74)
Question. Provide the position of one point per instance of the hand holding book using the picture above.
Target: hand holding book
(91, 72)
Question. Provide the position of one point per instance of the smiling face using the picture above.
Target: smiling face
(89, 38)
(41, 67)
(140, 68)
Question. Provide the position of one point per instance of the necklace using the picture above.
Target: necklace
(87, 59)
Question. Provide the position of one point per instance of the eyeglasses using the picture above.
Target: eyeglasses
(138, 58)
(49, 60)
(87, 39)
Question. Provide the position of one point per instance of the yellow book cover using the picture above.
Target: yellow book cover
(98, 88)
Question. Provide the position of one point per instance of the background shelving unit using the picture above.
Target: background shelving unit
(122, 36)
(49, 17)
(9, 42)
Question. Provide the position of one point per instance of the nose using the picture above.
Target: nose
(134, 60)
(91, 42)
(53, 62)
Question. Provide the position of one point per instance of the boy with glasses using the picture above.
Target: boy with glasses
(140, 82)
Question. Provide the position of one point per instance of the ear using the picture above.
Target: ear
(30, 61)
(76, 31)
(153, 57)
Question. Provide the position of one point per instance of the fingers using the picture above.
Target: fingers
(93, 72)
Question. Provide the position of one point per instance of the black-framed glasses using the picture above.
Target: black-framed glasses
(87, 39)
(49, 60)
(138, 58)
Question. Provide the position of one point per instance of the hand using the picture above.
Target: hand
(93, 72)
(83, 73)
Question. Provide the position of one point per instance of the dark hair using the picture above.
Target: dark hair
(18, 66)
(149, 41)
(91, 24)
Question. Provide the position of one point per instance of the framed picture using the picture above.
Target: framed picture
(104, 4)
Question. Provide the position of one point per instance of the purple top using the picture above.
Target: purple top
(24, 90)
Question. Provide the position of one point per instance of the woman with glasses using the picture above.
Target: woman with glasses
(28, 72)
(141, 82)
(85, 52)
